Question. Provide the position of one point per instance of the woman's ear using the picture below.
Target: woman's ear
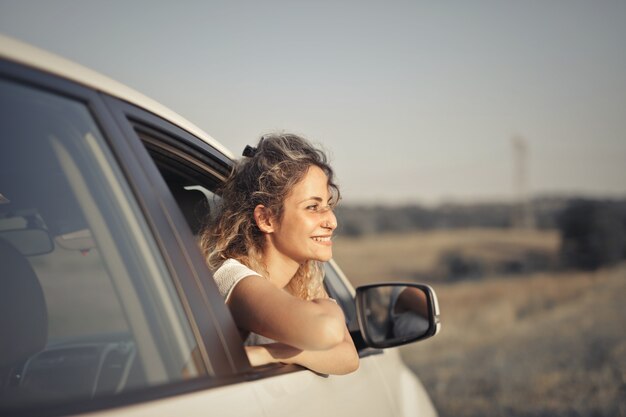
(264, 219)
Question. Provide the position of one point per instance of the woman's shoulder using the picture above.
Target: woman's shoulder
(229, 274)
(229, 263)
(233, 265)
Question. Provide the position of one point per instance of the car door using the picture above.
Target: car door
(191, 171)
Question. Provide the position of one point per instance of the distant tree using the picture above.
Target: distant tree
(350, 229)
(592, 234)
(457, 267)
(362, 220)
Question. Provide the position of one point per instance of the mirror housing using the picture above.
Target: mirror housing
(394, 314)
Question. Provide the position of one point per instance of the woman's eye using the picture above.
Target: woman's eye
(313, 207)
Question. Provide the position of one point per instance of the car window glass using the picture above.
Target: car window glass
(97, 313)
(337, 290)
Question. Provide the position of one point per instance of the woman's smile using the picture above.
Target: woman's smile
(324, 240)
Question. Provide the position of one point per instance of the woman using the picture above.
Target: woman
(267, 244)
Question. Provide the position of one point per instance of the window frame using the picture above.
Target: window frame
(211, 322)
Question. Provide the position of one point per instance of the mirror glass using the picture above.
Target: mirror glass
(394, 314)
(28, 242)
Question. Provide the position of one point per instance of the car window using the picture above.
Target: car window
(87, 307)
(192, 183)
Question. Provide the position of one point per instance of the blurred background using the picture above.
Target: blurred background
(480, 147)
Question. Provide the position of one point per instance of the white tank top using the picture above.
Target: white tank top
(227, 276)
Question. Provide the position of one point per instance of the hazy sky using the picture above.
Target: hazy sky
(416, 101)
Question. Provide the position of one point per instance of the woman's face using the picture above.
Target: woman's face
(304, 233)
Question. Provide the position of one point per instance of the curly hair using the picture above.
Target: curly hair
(266, 176)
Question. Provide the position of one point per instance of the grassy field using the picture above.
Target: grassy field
(547, 343)
(413, 256)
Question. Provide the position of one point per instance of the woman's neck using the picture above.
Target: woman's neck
(279, 267)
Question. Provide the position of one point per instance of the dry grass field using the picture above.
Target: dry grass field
(418, 255)
(536, 344)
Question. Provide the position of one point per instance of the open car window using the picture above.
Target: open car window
(195, 189)
(191, 180)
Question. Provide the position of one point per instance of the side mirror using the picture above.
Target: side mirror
(396, 314)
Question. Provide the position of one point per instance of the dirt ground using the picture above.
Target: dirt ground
(534, 344)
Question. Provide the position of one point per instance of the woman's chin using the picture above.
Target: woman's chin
(325, 257)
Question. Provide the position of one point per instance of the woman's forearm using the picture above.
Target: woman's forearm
(338, 360)
(257, 306)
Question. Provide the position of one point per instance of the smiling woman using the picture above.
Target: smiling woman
(268, 244)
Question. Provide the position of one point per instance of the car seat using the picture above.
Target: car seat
(23, 315)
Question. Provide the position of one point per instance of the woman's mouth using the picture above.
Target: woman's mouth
(323, 239)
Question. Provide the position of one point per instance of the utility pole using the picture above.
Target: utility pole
(522, 212)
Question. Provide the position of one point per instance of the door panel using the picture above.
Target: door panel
(407, 394)
(305, 394)
(302, 393)
(230, 401)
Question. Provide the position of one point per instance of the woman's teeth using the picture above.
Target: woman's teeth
(322, 239)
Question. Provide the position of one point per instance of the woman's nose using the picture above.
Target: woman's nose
(330, 220)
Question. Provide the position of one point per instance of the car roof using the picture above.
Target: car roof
(25, 54)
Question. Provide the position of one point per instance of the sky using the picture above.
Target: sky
(415, 101)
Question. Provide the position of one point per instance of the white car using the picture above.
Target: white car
(106, 304)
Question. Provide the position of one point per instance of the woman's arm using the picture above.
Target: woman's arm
(312, 334)
(339, 360)
(412, 299)
(260, 307)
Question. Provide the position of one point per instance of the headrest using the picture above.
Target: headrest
(194, 206)
(23, 312)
